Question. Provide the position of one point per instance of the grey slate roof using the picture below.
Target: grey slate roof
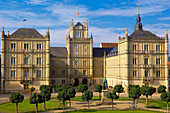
(58, 52)
(113, 52)
(78, 24)
(26, 32)
(99, 52)
(137, 33)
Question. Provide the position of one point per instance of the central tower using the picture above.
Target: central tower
(80, 53)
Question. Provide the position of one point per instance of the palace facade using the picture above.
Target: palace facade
(28, 60)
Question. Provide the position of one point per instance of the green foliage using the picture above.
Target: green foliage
(71, 92)
(32, 89)
(134, 92)
(87, 95)
(98, 88)
(63, 96)
(118, 88)
(153, 90)
(46, 88)
(82, 88)
(165, 96)
(16, 97)
(161, 89)
(36, 98)
(61, 87)
(146, 90)
(129, 87)
(112, 95)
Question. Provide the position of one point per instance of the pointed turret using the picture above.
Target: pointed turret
(47, 34)
(86, 23)
(72, 23)
(8, 33)
(138, 25)
(126, 36)
(91, 35)
(3, 33)
(166, 36)
(119, 36)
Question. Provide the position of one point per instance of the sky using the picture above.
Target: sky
(106, 18)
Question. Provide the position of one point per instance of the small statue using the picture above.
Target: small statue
(105, 86)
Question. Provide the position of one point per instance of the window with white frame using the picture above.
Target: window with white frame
(38, 46)
(13, 45)
(134, 60)
(38, 60)
(26, 46)
(134, 73)
(13, 60)
(38, 73)
(26, 74)
(13, 73)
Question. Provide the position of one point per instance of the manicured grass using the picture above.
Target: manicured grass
(77, 98)
(25, 106)
(116, 111)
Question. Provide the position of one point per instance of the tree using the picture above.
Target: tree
(112, 96)
(35, 99)
(32, 89)
(161, 89)
(153, 90)
(134, 92)
(45, 92)
(63, 96)
(71, 93)
(16, 98)
(87, 95)
(165, 96)
(98, 88)
(118, 89)
(146, 90)
(82, 87)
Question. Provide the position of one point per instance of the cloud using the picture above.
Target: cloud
(37, 2)
(164, 18)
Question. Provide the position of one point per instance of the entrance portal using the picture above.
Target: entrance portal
(84, 81)
(76, 82)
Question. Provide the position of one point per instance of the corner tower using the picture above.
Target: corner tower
(80, 52)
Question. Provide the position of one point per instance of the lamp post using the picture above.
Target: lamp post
(132, 105)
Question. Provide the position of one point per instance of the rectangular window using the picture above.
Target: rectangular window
(94, 72)
(84, 46)
(84, 53)
(75, 46)
(26, 46)
(101, 63)
(134, 61)
(38, 73)
(53, 63)
(63, 63)
(13, 46)
(146, 61)
(146, 47)
(25, 60)
(102, 72)
(26, 74)
(53, 82)
(53, 72)
(38, 60)
(146, 74)
(13, 60)
(38, 46)
(76, 72)
(63, 81)
(157, 73)
(134, 73)
(63, 72)
(25, 86)
(157, 47)
(157, 61)
(75, 63)
(84, 72)
(13, 73)
(134, 47)
(84, 63)
(76, 53)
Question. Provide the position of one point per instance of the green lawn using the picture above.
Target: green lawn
(120, 111)
(25, 106)
(77, 98)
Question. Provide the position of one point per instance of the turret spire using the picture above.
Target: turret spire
(3, 33)
(138, 25)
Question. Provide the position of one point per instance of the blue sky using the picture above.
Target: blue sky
(106, 17)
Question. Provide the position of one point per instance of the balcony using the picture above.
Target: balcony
(26, 80)
(148, 79)
(148, 66)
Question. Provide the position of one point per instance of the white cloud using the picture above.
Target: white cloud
(37, 2)
(164, 18)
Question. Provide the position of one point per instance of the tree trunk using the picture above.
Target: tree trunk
(63, 105)
(16, 107)
(112, 104)
(88, 104)
(147, 100)
(44, 105)
(167, 107)
(70, 103)
(37, 108)
(99, 96)
(134, 104)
